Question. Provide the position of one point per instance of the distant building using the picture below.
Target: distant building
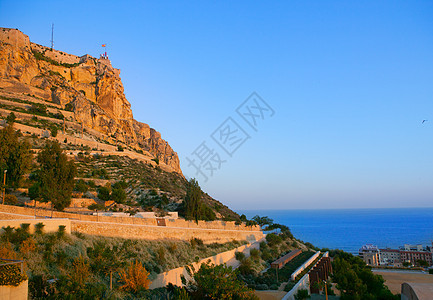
(370, 254)
(373, 256)
(414, 256)
(408, 247)
(390, 256)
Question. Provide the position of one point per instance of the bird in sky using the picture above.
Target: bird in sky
(423, 121)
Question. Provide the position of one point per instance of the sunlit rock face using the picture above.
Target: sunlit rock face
(91, 88)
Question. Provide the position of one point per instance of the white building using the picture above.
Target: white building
(370, 254)
(389, 256)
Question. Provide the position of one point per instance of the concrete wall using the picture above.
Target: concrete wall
(9, 292)
(416, 291)
(303, 283)
(304, 265)
(228, 257)
(51, 225)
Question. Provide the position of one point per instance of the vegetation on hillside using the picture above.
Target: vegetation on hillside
(132, 184)
(15, 156)
(193, 207)
(355, 280)
(54, 177)
(83, 266)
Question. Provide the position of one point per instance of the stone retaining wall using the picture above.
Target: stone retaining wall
(141, 228)
(129, 220)
(51, 225)
(153, 232)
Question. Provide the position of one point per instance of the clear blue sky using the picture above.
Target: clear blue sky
(350, 83)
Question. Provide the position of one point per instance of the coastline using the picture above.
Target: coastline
(330, 228)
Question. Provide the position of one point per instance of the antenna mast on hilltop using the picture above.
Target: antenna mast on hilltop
(52, 36)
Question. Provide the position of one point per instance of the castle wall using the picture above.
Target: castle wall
(14, 37)
(56, 55)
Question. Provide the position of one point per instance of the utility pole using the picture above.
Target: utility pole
(52, 36)
(4, 185)
(326, 290)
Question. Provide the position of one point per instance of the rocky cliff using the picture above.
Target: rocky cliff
(90, 88)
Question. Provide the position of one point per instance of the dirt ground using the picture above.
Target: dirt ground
(393, 280)
(270, 295)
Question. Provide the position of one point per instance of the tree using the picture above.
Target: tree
(263, 220)
(55, 176)
(219, 282)
(104, 193)
(422, 263)
(355, 280)
(10, 119)
(15, 156)
(96, 206)
(135, 277)
(193, 202)
(118, 195)
(105, 259)
(53, 130)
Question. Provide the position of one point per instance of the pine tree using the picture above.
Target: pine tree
(193, 202)
(55, 178)
(15, 156)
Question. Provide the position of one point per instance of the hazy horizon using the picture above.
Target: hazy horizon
(347, 86)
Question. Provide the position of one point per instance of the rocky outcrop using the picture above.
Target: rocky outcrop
(90, 87)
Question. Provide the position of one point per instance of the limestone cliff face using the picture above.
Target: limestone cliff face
(90, 87)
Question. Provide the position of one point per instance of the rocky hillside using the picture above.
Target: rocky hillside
(87, 91)
(80, 102)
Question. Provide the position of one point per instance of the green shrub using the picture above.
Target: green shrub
(289, 286)
(39, 228)
(240, 256)
(11, 199)
(255, 254)
(104, 193)
(61, 232)
(262, 287)
(118, 195)
(81, 186)
(273, 239)
(69, 106)
(53, 130)
(160, 255)
(302, 294)
(196, 242)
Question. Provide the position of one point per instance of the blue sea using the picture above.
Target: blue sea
(349, 229)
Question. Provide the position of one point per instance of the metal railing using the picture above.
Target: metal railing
(12, 262)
